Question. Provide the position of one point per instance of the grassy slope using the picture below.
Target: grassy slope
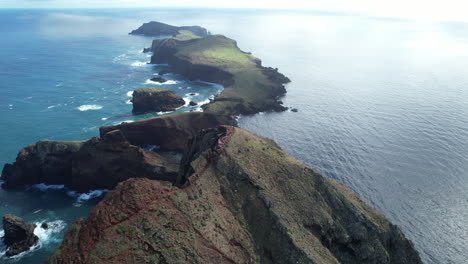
(250, 83)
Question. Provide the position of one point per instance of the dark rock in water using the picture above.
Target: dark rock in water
(162, 72)
(19, 235)
(155, 100)
(275, 106)
(192, 103)
(160, 29)
(158, 79)
(192, 94)
(45, 226)
(145, 50)
(294, 110)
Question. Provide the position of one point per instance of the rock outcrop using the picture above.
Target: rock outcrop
(170, 133)
(155, 100)
(119, 154)
(249, 87)
(239, 199)
(160, 29)
(99, 163)
(19, 235)
(158, 79)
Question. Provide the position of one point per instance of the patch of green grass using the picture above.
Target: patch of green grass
(150, 90)
(186, 35)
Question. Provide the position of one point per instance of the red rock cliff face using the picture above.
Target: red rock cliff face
(241, 200)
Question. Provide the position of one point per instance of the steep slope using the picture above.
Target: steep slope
(240, 199)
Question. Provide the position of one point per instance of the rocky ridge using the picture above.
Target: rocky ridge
(239, 199)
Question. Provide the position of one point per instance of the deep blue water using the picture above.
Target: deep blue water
(382, 104)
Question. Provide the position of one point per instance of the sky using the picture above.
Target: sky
(440, 10)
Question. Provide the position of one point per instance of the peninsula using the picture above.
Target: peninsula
(193, 188)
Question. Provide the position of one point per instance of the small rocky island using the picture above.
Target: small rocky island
(155, 100)
(19, 235)
(206, 191)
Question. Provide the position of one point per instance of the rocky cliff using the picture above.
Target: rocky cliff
(99, 163)
(119, 154)
(170, 133)
(239, 199)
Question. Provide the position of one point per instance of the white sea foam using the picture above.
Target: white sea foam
(128, 102)
(89, 107)
(163, 113)
(80, 197)
(125, 121)
(3, 247)
(52, 106)
(187, 102)
(139, 64)
(192, 94)
(83, 197)
(130, 93)
(43, 187)
(158, 83)
(59, 84)
(46, 236)
(104, 118)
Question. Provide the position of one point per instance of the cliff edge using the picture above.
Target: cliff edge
(239, 199)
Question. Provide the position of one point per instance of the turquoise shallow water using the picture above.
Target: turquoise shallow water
(382, 104)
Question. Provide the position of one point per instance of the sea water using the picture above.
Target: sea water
(382, 104)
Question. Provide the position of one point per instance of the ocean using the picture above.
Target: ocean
(382, 105)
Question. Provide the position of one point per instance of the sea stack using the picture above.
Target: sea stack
(155, 100)
(19, 235)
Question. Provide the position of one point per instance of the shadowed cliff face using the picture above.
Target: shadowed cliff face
(101, 163)
(170, 132)
(241, 200)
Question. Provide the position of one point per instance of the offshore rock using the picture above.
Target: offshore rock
(155, 100)
(19, 235)
(158, 79)
(238, 199)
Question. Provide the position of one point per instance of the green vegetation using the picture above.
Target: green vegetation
(186, 35)
(249, 87)
(150, 90)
